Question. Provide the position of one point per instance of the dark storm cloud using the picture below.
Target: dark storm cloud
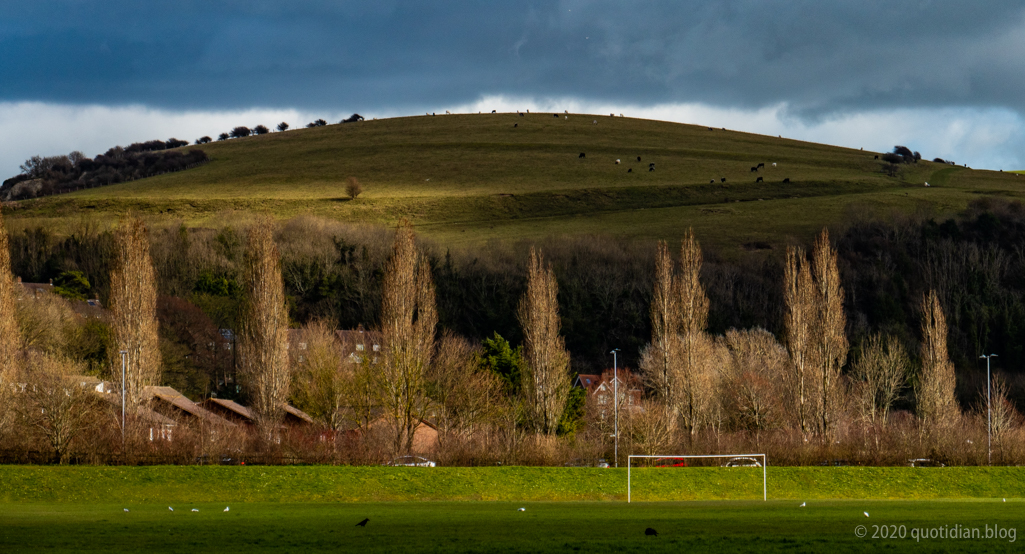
(815, 56)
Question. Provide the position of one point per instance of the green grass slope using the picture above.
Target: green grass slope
(474, 177)
(363, 484)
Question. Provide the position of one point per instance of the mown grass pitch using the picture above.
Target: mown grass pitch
(741, 526)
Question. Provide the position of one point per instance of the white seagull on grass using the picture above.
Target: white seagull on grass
(226, 508)
(170, 508)
(803, 504)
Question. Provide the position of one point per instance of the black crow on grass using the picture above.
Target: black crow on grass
(651, 532)
(363, 523)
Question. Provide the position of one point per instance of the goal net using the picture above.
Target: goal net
(757, 461)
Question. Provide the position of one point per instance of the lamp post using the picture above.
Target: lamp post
(124, 363)
(989, 413)
(615, 399)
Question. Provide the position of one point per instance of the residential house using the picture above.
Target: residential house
(601, 389)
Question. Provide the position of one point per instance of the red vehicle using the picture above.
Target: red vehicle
(670, 462)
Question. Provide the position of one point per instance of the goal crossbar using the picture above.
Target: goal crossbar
(629, 466)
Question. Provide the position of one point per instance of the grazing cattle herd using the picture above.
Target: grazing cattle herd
(651, 165)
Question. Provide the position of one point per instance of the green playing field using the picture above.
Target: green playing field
(740, 526)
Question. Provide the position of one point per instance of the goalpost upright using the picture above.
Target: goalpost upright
(629, 466)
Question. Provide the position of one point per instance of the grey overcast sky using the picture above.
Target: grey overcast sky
(943, 77)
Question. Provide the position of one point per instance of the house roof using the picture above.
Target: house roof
(297, 413)
(231, 406)
(143, 412)
(176, 399)
(586, 381)
(246, 414)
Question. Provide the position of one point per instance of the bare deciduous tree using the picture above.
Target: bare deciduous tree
(883, 368)
(133, 311)
(658, 360)
(1004, 417)
(263, 339)
(46, 321)
(696, 348)
(679, 363)
(799, 296)
(54, 402)
(468, 398)
(545, 383)
(408, 321)
(935, 392)
(10, 337)
(649, 430)
(353, 188)
(830, 337)
(318, 376)
(753, 380)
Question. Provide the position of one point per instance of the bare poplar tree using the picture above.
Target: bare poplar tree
(408, 322)
(696, 371)
(545, 382)
(263, 338)
(800, 320)
(10, 336)
(883, 368)
(679, 363)
(657, 360)
(133, 311)
(935, 392)
(830, 336)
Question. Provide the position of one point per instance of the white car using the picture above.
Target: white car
(742, 461)
(925, 462)
(412, 461)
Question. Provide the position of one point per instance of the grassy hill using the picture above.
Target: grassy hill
(474, 177)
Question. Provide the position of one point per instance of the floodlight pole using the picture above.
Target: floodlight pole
(124, 363)
(989, 414)
(615, 400)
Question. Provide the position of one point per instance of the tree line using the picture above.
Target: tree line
(865, 349)
(47, 175)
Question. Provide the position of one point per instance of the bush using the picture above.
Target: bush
(239, 132)
(260, 130)
(353, 188)
(282, 127)
(223, 136)
(203, 140)
(72, 285)
(175, 143)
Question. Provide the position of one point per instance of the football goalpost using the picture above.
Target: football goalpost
(732, 460)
